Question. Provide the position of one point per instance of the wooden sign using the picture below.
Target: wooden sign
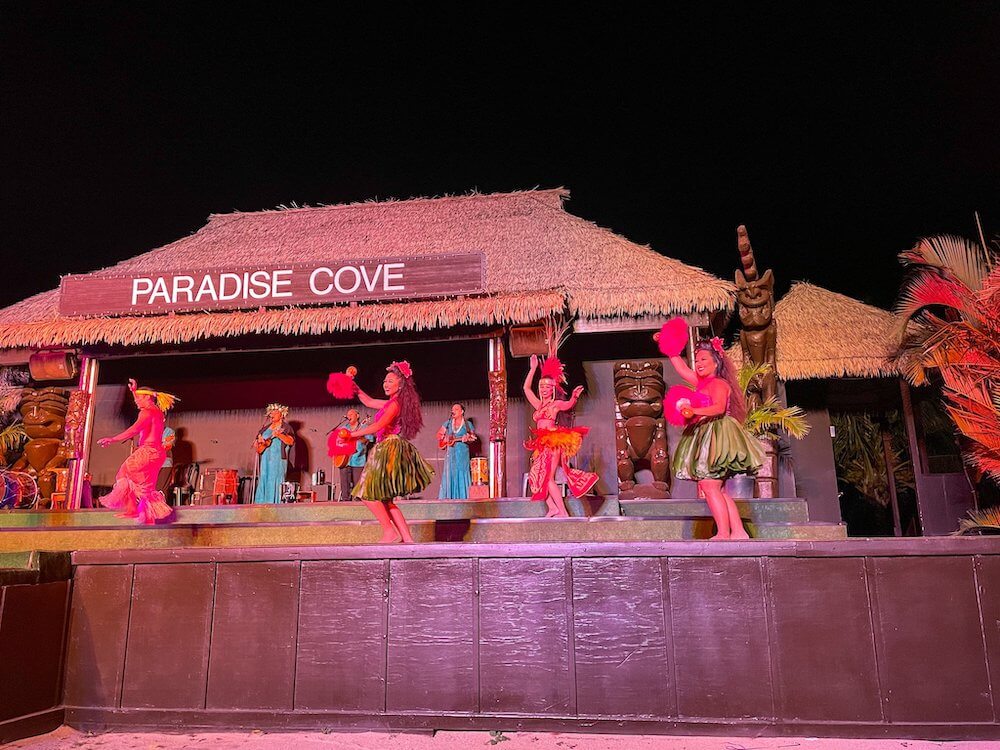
(294, 284)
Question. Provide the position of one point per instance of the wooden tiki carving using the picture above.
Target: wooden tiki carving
(640, 430)
(43, 411)
(755, 297)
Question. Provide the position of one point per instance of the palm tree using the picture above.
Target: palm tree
(770, 418)
(950, 310)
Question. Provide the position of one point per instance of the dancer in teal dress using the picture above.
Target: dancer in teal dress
(454, 437)
(273, 443)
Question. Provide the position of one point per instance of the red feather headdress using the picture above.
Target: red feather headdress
(556, 332)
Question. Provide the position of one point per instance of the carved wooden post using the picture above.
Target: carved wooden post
(758, 338)
(498, 417)
(82, 433)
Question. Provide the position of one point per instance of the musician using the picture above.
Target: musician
(163, 478)
(273, 444)
(350, 473)
(454, 437)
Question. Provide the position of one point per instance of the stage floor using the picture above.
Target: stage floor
(504, 520)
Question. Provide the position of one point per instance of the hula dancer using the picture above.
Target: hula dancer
(715, 444)
(394, 468)
(135, 484)
(553, 445)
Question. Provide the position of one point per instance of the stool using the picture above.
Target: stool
(560, 478)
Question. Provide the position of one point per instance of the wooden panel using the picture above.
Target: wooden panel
(32, 626)
(930, 642)
(432, 654)
(95, 656)
(988, 576)
(341, 653)
(823, 643)
(253, 636)
(168, 636)
(720, 639)
(524, 654)
(622, 667)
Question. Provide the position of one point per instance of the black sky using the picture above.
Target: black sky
(837, 134)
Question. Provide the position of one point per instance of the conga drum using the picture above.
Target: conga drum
(480, 469)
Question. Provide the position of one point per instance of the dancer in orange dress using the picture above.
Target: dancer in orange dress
(552, 445)
(135, 484)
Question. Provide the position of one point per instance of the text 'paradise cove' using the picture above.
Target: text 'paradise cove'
(272, 286)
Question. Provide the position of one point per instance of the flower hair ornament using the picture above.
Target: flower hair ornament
(403, 367)
(164, 401)
(717, 344)
(276, 407)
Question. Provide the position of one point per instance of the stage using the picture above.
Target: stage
(505, 520)
(852, 638)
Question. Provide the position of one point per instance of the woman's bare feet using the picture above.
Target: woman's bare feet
(740, 533)
(390, 537)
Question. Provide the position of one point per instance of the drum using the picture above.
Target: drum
(289, 492)
(17, 487)
(480, 468)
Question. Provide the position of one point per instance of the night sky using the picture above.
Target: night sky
(837, 135)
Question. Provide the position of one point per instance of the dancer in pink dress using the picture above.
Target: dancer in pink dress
(135, 484)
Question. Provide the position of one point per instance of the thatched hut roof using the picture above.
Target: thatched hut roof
(539, 259)
(822, 334)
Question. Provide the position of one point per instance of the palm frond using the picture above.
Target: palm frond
(12, 437)
(749, 371)
(770, 418)
(928, 289)
(980, 522)
(956, 256)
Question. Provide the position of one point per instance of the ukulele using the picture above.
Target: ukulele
(264, 443)
(340, 459)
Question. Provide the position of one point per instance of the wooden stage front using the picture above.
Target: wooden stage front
(873, 638)
(503, 520)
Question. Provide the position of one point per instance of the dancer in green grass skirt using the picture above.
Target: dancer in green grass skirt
(394, 468)
(715, 444)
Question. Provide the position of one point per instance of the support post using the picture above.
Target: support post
(79, 466)
(890, 474)
(498, 417)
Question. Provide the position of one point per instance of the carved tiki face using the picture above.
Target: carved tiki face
(639, 388)
(43, 411)
(756, 300)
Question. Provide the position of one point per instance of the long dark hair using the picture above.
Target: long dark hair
(411, 418)
(725, 369)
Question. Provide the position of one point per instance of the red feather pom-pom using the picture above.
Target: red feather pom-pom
(673, 337)
(341, 386)
(339, 443)
(672, 403)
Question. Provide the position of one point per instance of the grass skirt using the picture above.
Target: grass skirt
(716, 449)
(566, 440)
(554, 447)
(135, 490)
(394, 469)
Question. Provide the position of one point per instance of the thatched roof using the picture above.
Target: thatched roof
(822, 334)
(539, 259)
